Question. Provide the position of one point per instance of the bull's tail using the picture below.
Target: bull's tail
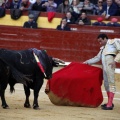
(18, 76)
(12, 89)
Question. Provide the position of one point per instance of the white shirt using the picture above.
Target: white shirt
(107, 10)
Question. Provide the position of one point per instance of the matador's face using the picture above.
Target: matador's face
(102, 42)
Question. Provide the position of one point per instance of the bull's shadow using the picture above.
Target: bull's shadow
(21, 67)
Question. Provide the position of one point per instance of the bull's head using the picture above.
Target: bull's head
(48, 63)
(53, 62)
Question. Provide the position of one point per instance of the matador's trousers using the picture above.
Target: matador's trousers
(108, 73)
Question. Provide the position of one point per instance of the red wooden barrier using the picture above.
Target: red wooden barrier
(88, 28)
(69, 46)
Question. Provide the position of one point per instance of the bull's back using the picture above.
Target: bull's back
(22, 60)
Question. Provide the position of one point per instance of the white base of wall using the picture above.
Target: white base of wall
(117, 70)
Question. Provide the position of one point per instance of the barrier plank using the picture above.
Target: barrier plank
(67, 45)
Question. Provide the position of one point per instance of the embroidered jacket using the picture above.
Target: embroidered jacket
(112, 47)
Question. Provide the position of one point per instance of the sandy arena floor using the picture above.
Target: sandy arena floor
(48, 111)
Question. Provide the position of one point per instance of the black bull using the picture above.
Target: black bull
(21, 67)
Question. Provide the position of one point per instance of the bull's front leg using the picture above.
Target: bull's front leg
(4, 104)
(35, 102)
(37, 87)
(27, 94)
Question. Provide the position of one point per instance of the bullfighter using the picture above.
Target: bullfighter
(109, 54)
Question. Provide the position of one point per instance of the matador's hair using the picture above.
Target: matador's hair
(103, 36)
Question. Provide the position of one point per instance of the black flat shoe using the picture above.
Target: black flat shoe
(107, 108)
(104, 105)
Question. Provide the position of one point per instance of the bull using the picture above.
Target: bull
(21, 67)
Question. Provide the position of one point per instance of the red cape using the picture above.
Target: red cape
(77, 85)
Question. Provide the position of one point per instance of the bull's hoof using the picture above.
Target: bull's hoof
(36, 107)
(27, 105)
(5, 106)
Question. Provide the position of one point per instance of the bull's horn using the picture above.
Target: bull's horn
(59, 60)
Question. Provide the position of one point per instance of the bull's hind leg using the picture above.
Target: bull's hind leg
(4, 104)
(4, 76)
(27, 93)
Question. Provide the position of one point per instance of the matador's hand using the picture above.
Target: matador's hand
(85, 62)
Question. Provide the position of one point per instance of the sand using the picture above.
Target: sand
(49, 111)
